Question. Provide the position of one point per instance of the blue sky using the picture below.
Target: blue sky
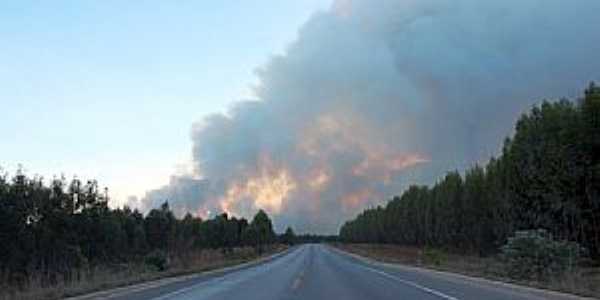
(110, 89)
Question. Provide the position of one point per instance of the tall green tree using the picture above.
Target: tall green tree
(260, 231)
(288, 237)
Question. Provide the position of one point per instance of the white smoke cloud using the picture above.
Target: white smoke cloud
(375, 95)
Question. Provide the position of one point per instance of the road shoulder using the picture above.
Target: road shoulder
(139, 287)
(464, 279)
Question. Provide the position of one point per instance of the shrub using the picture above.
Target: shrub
(536, 255)
(433, 256)
(157, 259)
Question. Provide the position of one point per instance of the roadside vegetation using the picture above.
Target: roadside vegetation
(533, 212)
(63, 238)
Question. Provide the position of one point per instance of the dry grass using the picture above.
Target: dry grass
(584, 281)
(108, 277)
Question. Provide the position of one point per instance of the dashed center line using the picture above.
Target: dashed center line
(298, 281)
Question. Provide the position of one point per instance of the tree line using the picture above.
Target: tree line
(546, 177)
(53, 232)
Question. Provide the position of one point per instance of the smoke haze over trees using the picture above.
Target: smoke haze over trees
(548, 177)
(376, 95)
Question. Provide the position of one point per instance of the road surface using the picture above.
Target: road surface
(321, 272)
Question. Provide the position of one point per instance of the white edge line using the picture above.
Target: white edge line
(129, 289)
(189, 288)
(177, 292)
(514, 288)
(410, 283)
(406, 282)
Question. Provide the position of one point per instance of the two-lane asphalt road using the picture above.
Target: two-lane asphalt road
(320, 272)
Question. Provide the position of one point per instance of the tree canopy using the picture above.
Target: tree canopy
(56, 231)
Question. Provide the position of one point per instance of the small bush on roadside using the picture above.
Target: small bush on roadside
(433, 256)
(157, 259)
(536, 255)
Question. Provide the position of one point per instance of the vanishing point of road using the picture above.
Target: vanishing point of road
(322, 272)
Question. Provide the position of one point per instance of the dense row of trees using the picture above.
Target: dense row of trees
(547, 177)
(289, 237)
(53, 232)
(315, 238)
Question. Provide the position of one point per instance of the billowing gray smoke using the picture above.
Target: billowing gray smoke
(375, 95)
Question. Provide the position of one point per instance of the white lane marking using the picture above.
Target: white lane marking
(406, 282)
(175, 293)
(410, 283)
(122, 291)
(298, 281)
(117, 292)
(182, 291)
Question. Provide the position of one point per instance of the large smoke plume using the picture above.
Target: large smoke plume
(375, 95)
